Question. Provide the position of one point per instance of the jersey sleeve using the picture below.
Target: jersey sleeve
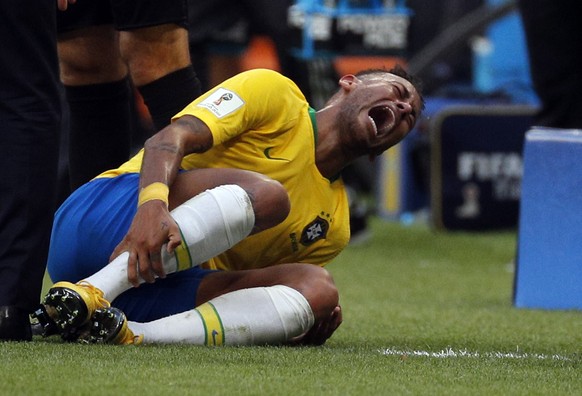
(247, 101)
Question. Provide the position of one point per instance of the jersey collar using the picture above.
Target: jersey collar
(314, 123)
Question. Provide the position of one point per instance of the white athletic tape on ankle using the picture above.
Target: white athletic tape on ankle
(210, 223)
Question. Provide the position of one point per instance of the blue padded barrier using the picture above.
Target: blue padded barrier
(549, 262)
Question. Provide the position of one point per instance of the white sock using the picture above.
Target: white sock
(255, 316)
(210, 222)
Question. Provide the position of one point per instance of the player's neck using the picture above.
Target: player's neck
(329, 157)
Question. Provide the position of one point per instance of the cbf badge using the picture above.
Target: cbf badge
(222, 102)
(314, 231)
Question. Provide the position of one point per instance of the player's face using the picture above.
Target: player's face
(378, 112)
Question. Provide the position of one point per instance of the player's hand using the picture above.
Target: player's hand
(63, 4)
(322, 329)
(152, 227)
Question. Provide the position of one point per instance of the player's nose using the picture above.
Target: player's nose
(403, 107)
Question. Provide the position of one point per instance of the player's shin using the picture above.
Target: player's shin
(256, 316)
(210, 223)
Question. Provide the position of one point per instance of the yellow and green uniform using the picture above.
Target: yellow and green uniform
(260, 121)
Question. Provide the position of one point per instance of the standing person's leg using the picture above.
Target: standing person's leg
(97, 88)
(154, 43)
(553, 33)
(98, 92)
(30, 116)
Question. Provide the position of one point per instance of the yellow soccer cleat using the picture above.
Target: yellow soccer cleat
(71, 305)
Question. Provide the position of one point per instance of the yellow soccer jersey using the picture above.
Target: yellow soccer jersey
(261, 121)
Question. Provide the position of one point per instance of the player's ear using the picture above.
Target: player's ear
(348, 82)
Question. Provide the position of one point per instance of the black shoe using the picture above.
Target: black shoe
(42, 323)
(14, 324)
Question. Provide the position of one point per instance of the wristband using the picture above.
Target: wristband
(157, 190)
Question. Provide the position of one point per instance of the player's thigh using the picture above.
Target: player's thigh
(89, 225)
(259, 187)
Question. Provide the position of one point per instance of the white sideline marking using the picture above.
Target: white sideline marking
(451, 353)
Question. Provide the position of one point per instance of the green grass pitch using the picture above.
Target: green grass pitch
(425, 313)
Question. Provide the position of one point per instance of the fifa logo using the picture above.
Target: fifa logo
(226, 96)
(222, 102)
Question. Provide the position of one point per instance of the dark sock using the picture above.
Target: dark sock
(99, 137)
(167, 96)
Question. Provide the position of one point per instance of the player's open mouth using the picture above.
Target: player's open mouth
(383, 119)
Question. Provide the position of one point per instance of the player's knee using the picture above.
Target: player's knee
(90, 56)
(270, 203)
(154, 52)
(318, 287)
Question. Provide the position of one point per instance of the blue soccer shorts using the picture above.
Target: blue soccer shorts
(87, 228)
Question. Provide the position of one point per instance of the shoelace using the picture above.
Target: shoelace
(95, 292)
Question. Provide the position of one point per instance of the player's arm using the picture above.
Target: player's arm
(153, 225)
(163, 152)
